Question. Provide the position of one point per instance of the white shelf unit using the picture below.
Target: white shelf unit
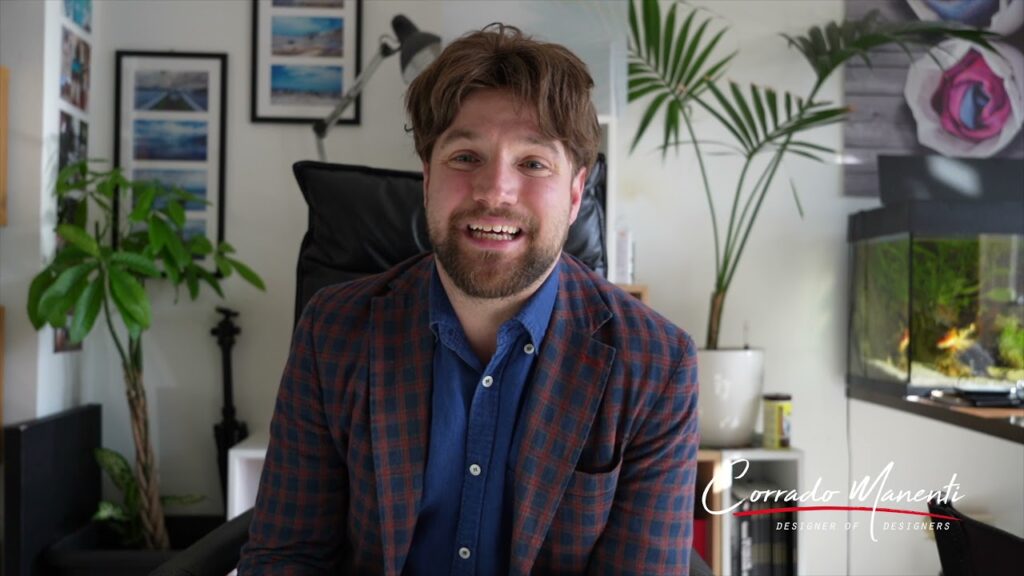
(245, 465)
(780, 467)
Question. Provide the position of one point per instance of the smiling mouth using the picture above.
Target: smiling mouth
(486, 232)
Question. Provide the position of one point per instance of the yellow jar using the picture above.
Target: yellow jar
(778, 409)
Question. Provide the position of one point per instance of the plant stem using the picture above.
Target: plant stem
(150, 506)
(720, 275)
(715, 318)
(113, 332)
(773, 165)
(707, 188)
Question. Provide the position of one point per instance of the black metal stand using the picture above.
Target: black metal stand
(230, 431)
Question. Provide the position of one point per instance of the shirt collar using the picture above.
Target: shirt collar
(534, 316)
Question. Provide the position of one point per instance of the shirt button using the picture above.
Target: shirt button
(487, 381)
(464, 553)
(529, 349)
(474, 469)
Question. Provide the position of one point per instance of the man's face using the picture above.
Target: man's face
(499, 196)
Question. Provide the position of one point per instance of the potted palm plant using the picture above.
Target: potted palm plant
(676, 70)
(89, 279)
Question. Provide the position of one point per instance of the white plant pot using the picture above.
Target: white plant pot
(730, 396)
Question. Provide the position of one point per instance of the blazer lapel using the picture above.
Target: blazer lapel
(567, 388)
(400, 383)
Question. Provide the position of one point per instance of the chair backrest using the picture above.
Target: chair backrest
(51, 483)
(972, 548)
(365, 220)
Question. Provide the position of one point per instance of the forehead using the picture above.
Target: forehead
(490, 113)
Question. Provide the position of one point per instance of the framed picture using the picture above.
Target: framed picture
(305, 55)
(169, 128)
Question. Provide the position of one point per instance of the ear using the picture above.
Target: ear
(426, 181)
(576, 193)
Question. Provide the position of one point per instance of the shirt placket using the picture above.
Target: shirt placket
(481, 429)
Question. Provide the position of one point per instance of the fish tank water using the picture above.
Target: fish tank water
(937, 297)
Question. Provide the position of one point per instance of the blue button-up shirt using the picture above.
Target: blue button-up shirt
(465, 518)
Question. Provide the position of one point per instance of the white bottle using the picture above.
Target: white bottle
(624, 272)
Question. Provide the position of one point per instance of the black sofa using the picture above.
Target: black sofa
(363, 221)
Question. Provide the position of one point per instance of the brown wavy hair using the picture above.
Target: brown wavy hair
(546, 76)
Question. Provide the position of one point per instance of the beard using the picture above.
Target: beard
(493, 274)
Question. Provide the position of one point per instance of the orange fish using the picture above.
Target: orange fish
(957, 339)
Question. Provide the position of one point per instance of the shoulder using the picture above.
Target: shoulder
(632, 327)
(353, 300)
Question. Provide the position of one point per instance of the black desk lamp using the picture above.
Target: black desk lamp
(418, 49)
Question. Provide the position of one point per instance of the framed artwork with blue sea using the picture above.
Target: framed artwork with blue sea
(169, 129)
(305, 55)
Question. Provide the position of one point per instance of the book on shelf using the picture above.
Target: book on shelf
(761, 546)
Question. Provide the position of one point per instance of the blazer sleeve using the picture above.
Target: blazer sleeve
(299, 519)
(650, 527)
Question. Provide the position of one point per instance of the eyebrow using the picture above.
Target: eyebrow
(471, 135)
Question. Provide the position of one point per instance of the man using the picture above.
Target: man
(495, 407)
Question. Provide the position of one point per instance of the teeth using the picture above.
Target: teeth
(494, 229)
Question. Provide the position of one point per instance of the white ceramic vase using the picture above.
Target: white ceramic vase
(731, 382)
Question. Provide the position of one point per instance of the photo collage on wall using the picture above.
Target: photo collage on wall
(170, 130)
(73, 140)
(304, 57)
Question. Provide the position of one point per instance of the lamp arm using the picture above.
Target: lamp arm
(320, 127)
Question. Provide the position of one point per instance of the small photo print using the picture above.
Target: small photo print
(74, 140)
(62, 339)
(191, 181)
(302, 36)
(305, 85)
(79, 12)
(172, 90)
(74, 70)
(170, 139)
(310, 3)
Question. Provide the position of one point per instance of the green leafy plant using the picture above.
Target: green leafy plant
(124, 518)
(1011, 341)
(88, 277)
(675, 69)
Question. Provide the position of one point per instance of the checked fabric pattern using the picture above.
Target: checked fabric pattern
(603, 476)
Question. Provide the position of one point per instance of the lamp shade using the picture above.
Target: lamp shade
(418, 48)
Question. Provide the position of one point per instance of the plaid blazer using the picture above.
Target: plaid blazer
(603, 478)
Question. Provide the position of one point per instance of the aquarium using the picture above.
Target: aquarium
(937, 297)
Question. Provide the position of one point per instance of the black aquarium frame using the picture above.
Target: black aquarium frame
(916, 218)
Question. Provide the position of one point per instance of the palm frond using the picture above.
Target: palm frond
(763, 118)
(670, 61)
(826, 48)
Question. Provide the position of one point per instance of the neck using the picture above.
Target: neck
(481, 317)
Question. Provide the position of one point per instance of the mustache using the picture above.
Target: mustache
(461, 218)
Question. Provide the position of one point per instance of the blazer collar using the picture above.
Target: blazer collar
(568, 384)
(401, 359)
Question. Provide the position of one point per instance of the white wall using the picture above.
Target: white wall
(36, 381)
(926, 454)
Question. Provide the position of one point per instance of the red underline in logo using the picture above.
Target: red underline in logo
(854, 508)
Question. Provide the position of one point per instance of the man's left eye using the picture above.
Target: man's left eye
(534, 165)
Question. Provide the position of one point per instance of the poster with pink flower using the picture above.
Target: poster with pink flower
(956, 100)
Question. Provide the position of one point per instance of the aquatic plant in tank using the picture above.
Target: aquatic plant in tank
(933, 309)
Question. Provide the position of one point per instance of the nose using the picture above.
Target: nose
(496, 185)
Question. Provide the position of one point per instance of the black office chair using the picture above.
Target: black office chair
(972, 548)
(363, 221)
